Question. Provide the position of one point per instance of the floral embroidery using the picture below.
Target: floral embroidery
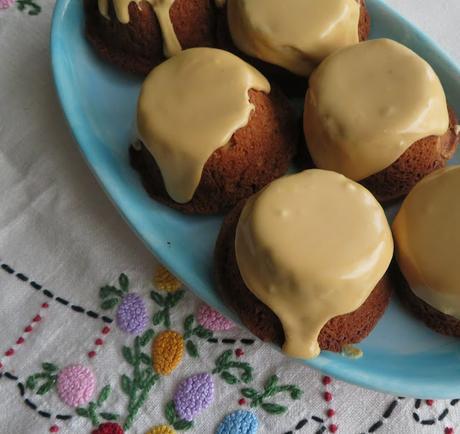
(131, 314)
(91, 413)
(167, 352)
(239, 422)
(190, 331)
(271, 388)
(224, 364)
(109, 428)
(76, 384)
(166, 303)
(143, 378)
(193, 395)
(29, 6)
(165, 281)
(47, 378)
(5, 4)
(161, 429)
(213, 320)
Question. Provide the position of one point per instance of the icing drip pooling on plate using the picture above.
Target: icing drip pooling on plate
(367, 104)
(161, 8)
(294, 34)
(312, 246)
(190, 106)
(427, 240)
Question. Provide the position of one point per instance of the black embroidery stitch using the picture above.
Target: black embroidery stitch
(28, 402)
(23, 278)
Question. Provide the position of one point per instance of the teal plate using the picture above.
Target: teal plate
(401, 356)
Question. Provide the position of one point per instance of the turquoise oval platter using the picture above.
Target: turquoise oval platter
(401, 356)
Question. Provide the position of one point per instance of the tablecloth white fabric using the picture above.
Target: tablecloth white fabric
(59, 230)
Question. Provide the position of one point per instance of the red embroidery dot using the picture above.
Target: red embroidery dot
(99, 341)
(91, 354)
(37, 318)
(242, 401)
(429, 402)
(239, 352)
(327, 380)
(45, 305)
(20, 340)
(330, 412)
(449, 431)
(54, 428)
(28, 329)
(105, 330)
(333, 427)
(328, 396)
(9, 352)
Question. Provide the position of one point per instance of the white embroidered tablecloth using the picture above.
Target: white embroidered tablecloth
(69, 360)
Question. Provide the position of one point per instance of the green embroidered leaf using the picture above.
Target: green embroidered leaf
(192, 350)
(126, 385)
(202, 333)
(157, 298)
(273, 408)
(127, 354)
(31, 382)
(158, 317)
(83, 412)
(146, 337)
(109, 416)
(45, 388)
(246, 377)
(109, 290)
(223, 359)
(123, 282)
(188, 322)
(109, 304)
(103, 395)
(49, 367)
(249, 393)
(182, 425)
(173, 298)
(229, 378)
(271, 382)
(170, 413)
(296, 393)
(146, 360)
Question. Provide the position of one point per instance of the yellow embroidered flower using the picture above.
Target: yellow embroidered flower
(165, 281)
(167, 352)
(161, 429)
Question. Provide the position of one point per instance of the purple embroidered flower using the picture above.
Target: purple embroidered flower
(5, 4)
(193, 395)
(239, 422)
(76, 385)
(132, 315)
(210, 319)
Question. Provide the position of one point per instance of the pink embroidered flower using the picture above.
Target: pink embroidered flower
(5, 4)
(212, 320)
(76, 385)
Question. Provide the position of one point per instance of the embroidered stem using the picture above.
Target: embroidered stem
(111, 295)
(166, 302)
(91, 411)
(143, 378)
(198, 331)
(224, 364)
(48, 375)
(271, 388)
